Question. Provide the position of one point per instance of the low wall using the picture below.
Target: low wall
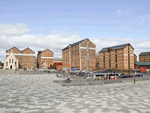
(124, 80)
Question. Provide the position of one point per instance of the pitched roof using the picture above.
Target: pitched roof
(122, 46)
(39, 52)
(142, 63)
(145, 53)
(27, 48)
(12, 48)
(74, 44)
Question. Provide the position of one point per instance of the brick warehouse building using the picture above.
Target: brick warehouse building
(26, 57)
(117, 57)
(45, 58)
(80, 55)
(144, 57)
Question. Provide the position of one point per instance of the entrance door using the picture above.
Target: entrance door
(11, 67)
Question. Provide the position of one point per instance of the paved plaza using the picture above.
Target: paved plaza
(38, 94)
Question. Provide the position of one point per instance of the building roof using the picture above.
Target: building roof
(27, 48)
(39, 52)
(142, 63)
(145, 53)
(19, 50)
(115, 47)
(74, 44)
(12, 48)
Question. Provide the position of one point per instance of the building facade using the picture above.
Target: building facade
(45, 58)
(80, 55)
(11, 62)
(26, 57)
(117, 57)
(144, 57)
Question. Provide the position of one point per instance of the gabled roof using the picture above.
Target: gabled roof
(74, 44)
(145, 53)
(117, 47)
(12, 48)
(49, 50)
(39, 52)
(142, 63)
(27, 48)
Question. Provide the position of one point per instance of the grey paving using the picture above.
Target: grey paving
(39, 94)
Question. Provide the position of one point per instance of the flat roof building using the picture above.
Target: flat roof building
(80, 55)
(117, 57)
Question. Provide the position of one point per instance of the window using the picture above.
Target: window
(6, 63)
(9, 60)
(12, 60)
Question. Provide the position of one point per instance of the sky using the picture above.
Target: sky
(42, 24)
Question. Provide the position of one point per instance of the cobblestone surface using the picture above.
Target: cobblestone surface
(38, 94)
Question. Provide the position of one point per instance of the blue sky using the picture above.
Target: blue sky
(102, 19)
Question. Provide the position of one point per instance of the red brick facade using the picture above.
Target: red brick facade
(79, 56)
(45, 56)
(117, 58)
(26, 58)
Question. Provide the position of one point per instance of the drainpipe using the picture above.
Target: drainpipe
(87, 54)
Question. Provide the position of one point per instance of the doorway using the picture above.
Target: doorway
(11, 67)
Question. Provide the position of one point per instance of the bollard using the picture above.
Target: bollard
(134, 81)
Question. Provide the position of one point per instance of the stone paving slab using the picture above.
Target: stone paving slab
(39, 94)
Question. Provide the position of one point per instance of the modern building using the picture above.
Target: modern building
(45, 58)
(144, 57)
(26, 57)
(139, 65)
(11, 62)
(58, 63)
(80, 55)
(117, 57)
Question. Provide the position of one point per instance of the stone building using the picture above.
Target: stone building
(45, 58)
(117, 57)
(144, 57)
(80, 55)
(26, 57)
(11, 62)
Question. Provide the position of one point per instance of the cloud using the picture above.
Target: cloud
(17, 35)
(143, 19)
(13, 30)
(124, 12)
(57, 40)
